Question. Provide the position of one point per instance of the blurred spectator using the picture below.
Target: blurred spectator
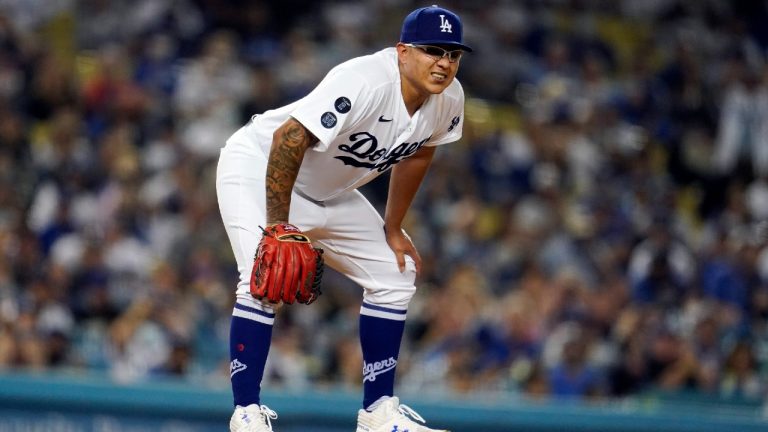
(631, 375)
(740, 375)
(572, 375)
(661, 268)
(672, 364)
(742, 142)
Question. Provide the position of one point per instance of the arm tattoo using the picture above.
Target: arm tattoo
(290, 142)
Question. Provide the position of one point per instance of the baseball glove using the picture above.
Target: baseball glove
(286, 268)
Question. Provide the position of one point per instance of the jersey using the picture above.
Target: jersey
(358, 115)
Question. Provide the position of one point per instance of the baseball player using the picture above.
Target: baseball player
(287, 186)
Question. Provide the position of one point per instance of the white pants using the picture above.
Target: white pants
(348, 228)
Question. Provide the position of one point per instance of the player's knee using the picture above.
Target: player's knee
(393, 297)
(246, 299)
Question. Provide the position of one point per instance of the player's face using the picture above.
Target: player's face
(429, 69)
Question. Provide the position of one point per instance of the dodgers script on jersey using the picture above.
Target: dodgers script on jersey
(358, 114)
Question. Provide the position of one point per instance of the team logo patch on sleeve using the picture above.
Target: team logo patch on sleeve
(343, 105)
(328, 120)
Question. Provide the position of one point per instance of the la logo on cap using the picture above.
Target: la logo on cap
(445, 25)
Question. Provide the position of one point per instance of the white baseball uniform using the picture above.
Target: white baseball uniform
(363, 127)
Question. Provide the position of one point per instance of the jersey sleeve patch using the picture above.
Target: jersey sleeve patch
(328, 119)
(343, 105)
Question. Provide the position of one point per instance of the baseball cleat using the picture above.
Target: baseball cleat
(252, 418)
(391, 416)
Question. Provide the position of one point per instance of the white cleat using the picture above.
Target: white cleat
(252, 418)
(390, 416)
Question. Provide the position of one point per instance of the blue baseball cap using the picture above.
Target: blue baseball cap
(433, 25)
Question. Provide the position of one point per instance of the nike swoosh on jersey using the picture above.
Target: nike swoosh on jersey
(382, 119)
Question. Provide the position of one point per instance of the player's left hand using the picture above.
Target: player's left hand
(401, 244)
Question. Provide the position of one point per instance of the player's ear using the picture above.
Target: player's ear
(402, 49)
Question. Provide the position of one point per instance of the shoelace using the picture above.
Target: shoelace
(408, 411)
(268, 414)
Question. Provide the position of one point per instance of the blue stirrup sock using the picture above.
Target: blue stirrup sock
(250, 335)
(381, 331)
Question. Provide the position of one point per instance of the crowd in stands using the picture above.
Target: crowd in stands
(601, 230)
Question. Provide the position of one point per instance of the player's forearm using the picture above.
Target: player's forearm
(404, 183)
(289, 143)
